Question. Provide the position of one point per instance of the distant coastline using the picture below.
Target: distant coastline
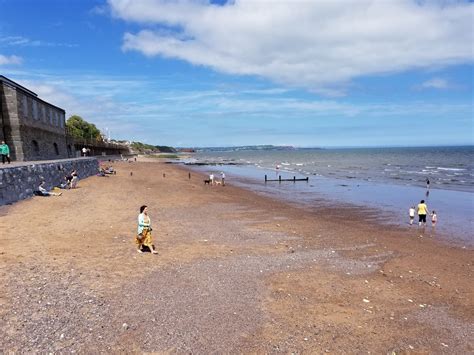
(290, 148)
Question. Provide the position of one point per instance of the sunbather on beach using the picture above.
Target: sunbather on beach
(45, 192)
(110, 170)
(143, 237)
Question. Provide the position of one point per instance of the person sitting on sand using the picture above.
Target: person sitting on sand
(68, 179)
(422, 212)
(434, 219)
(110, 170)
(101, 172)
(411, 213)
(143, 237)
(74, 179)
(44, 192)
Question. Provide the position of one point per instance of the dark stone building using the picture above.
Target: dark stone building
(34, 129)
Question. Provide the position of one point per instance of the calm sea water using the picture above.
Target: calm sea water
(387, 179)
(446, 167)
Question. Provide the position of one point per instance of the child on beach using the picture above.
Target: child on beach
(434, 219)
(411, 213)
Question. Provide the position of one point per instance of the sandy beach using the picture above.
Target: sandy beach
(236, 273)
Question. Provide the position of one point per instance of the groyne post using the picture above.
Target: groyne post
(279, 179)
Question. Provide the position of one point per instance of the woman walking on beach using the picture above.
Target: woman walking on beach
(143, 237)
(422, 212)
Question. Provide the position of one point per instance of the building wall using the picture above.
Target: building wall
(34, 129)
(19, 182)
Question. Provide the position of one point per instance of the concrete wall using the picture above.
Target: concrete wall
(33, 128)
(19, 182)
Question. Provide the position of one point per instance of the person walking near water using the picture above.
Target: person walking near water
(143, 237)
(5, 152)
(434, 219)
(422, 212)
(427, 183)
(222, 178)
(411, 213)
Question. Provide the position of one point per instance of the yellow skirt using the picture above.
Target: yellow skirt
(145, 239)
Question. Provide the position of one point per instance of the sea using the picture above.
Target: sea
(389, 180)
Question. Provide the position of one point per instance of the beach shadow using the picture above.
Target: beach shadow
(146, 249)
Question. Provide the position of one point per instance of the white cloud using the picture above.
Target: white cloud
(10, 60)
(20, 41)
(318, 45)
(436, 83)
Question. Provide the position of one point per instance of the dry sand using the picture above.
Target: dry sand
(236, 273)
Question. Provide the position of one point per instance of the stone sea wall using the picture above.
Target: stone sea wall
(19, 182)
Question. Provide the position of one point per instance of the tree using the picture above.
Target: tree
(81, 129)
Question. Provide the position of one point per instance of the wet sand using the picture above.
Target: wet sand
(236, 272)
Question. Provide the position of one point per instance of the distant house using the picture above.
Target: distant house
(33, 128)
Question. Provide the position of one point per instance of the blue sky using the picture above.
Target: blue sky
(244, 72)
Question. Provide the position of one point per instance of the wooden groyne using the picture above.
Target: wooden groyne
(280, 179)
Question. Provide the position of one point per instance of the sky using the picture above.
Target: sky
(304, 73)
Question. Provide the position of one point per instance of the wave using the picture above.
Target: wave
(450, 169)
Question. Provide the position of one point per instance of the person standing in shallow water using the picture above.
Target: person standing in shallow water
(411, 214)
(422, 212)
(143, 237)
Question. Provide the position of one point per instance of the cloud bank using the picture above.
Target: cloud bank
(316, 45)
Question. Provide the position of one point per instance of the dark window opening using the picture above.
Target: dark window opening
(36, 149)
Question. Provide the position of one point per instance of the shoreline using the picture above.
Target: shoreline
(388, 203)
(236, 271)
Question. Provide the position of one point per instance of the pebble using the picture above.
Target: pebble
(125, 326)
(366, 300)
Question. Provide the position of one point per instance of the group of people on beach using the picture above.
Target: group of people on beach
(422, 211)
(214, 181)
(70, 182)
